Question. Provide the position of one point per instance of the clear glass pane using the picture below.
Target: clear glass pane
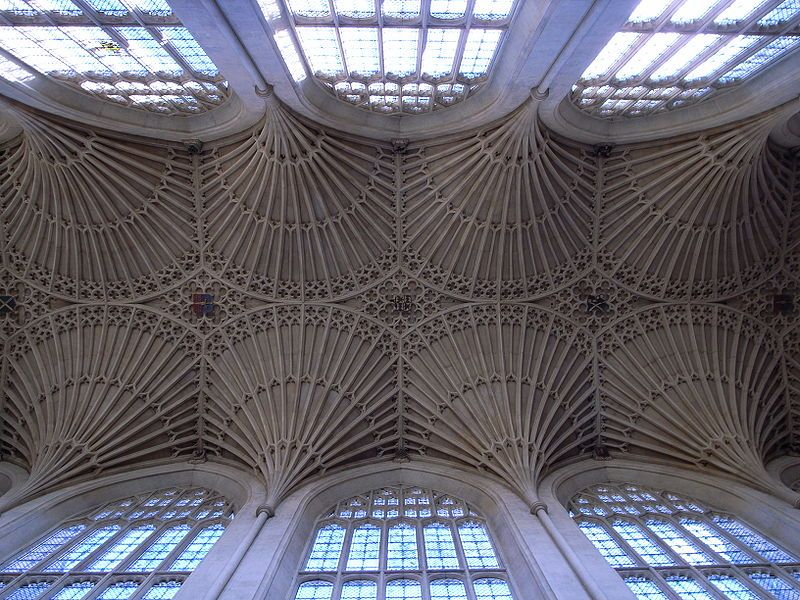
(448, 9)
(121, 549)
(439, 547)
(641, 542)
(754, 541)
(322, 50)
(30, 591)
(314, 590)
(327, 549)
(776, 586)
(359, 590)
(360, 45)
(74, 591)
(732, 587)
(477, 547)
(403, 589)
(402, 548)
(448, 589)
(717, 542)
(645, 589)
(679, 543)
(198, 548)
(163, 591)
(36, 554)
(400, 51)
(492, 10)
(479, 52)
(688, 589)
(119, 591)
(156, 552)
(606, 544)
(440, 52)
(82, 549)
(492, 589)
(364, 549)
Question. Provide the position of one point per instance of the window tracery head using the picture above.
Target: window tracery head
(403, 543)
(140, 547)
(667, 546)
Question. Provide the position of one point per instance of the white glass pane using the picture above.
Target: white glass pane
(644, 589)
(439, 547)
(360, 46)
(736, 46)
(403, 589)
(310, 8)
(732, 587)
(364, 549)
(74, 591)
(198, 548)
(693, 10)
(121, 549)
(448, 589)
(314, 590)
(681, 545)
(688, 589)
(82, 549)
(322, 50)
(156, 552)
(288, 49)
(400, 50)
(479, 52)
(477, 547)
(401, 9)
(355, 9)
(36, 554)
(649, 10)
(163, 591)
(739, 11)
(492, 10)
(609, 56)
(119, 591)
(492, 589)
(359, 590)
(641, 542)
(714, 540)
(644, 57)
(326, 550)
(686, 54)
(440, 52)
(448, 9)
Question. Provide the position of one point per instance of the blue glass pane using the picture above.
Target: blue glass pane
(688, 589)
(477, 547)
(682, 546)
(439, 547)
(364, 549)
(314, 590)
(75, 591)
(163, 591)
(359, 590)
(82, 549)
(776, 586)
(402, 548)
(636, 537)
(156, 552)
(119, 591)
(403, 589)
(327, 549)
(606, 544)
(36, 554)
(30, 591)
(712, 538)
(198, 548)
(732, 587)
(492, 589)
(448, 589)
(752, 540)
(121, 549)
(644, 589)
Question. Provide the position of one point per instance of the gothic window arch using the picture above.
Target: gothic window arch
(140, 547)
(667, 546)
(402, 543)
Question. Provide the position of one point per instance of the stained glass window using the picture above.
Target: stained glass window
(673, 53)
(108, 551)
(667, 545)
(431, 545)
(133, 53)
(396, 60)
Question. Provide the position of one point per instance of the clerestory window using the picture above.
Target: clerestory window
(142, 547)
(673, 53)
(391, 56)
(668, 547)
(402, 543)
(133, 53)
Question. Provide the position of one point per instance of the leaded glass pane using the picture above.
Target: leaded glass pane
(403, 589)
(156, 552)
(121, 549)
(119, 591)
(327, 549)
(642, 543)
(364, 549)
(448, 589)
(360, 589)
(198, 548)
(314, 590)
(732, 587)
(74, 591)
(29, 591)
(776, 586)
(682, 546)
(82, 549)
(713, 539)
(491, 589)
(645, 589)
(36, 554)
(163, 591)
(752, 540)
(439, 547)
(477, 547)
(688, 589)
(606, 544)
(402, 548)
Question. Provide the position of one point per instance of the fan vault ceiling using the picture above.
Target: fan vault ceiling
(294, 299)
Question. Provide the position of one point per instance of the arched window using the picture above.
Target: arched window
(402, 543)
(665, 546)
(142, 547)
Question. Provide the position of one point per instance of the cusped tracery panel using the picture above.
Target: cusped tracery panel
(89, 215)
(293, 211)
(504, 389)
(701, 384)
(90, 389)
(296, 390)
(503, 212)
(695, 217)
